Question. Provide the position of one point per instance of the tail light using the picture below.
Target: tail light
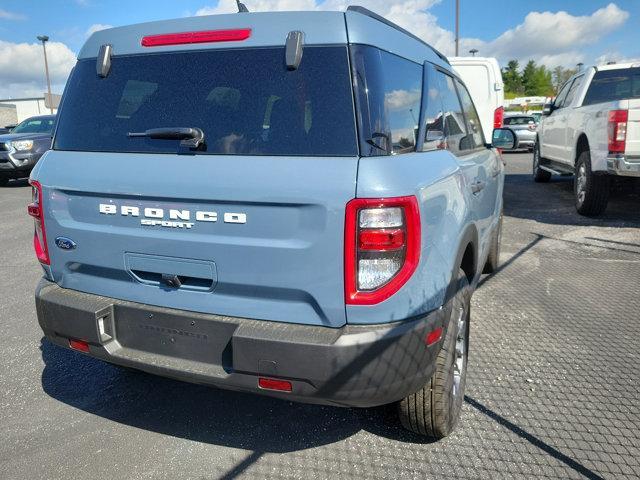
(618, 130)
(35, 209)
(382, 247)
(498, 117)
(206, 36)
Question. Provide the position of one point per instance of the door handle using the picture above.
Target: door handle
(478, 186)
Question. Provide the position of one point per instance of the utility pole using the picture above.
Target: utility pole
(44, 39)
(457, 26)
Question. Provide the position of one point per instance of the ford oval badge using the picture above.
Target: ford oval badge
(65, 243)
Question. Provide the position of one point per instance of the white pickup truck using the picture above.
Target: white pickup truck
(592, 130)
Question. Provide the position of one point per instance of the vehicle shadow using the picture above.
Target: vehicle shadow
(19, 183)
(553, 203)
(203, 413)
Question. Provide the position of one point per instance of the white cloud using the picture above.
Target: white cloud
(22, 68)
(616, 57)
(96, 27)
(6, 15)
(552, 38)
(555, 38)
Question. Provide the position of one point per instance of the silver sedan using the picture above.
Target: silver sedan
(524, 127)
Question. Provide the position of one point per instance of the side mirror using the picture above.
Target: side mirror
(548, 109)
(505, 139)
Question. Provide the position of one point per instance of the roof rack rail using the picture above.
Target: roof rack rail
(375, 16)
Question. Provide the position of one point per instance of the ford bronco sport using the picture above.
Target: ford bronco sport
(269, 203)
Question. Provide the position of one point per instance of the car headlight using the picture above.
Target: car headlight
(22, 145)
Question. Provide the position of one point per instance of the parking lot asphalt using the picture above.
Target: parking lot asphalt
(553, 385)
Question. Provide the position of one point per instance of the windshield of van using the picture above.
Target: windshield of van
(613, 85)
(245, 101)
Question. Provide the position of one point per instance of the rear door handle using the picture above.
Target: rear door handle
(478, 186)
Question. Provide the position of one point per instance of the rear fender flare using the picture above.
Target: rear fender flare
(469, 237)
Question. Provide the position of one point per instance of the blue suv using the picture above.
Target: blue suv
(293, 204)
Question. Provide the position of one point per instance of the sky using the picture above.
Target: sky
(552, 32)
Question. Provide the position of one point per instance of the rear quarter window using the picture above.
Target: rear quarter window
(245, 101)
(389, 93)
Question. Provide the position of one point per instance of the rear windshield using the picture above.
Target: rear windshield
(519, 120)
(613, 85)
(245, 101)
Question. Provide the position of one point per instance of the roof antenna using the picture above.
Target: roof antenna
(242, 8)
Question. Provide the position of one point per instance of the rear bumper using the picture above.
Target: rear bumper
(622, 165)
(360, 366)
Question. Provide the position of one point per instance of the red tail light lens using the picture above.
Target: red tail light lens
(382, 247)
(618, 130)
(206, 36)
(35, 209)
(498, 117)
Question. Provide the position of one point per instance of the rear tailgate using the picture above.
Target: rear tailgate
(285, 263)
(633, 129)
(250, 222)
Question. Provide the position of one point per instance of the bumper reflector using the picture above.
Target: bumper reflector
(433, 336)
(79, 345)
(273, 384)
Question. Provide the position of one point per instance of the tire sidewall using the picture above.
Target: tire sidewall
(447, 423)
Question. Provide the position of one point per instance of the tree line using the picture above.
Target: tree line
(533, 80)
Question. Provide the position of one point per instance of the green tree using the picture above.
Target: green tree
(560, 76)
(537, 80)
(512, 79)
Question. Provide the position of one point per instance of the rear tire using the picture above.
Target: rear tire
(539, 175)
(493, 260)
(434, 410)
(591, 191)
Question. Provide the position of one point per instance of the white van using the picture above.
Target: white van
(483, 78)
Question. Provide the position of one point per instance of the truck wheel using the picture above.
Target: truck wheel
(493, 260)
(434, 410)
(591, 191)
(539, 175)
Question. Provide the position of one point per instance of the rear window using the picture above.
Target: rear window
(245, 101)
(613, 85)
(519, 120)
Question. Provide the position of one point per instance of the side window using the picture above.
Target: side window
(434, 115)
(562, 95)
(389, 96)
(454, 123)
(571, 94)
(474, 128)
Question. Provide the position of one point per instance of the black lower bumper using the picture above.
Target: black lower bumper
(359, 366)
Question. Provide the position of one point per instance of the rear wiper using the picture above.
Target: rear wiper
(190, 137)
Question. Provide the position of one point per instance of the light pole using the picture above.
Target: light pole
(44, 39)
(473, 52)
(457, 26)
(580, 65)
